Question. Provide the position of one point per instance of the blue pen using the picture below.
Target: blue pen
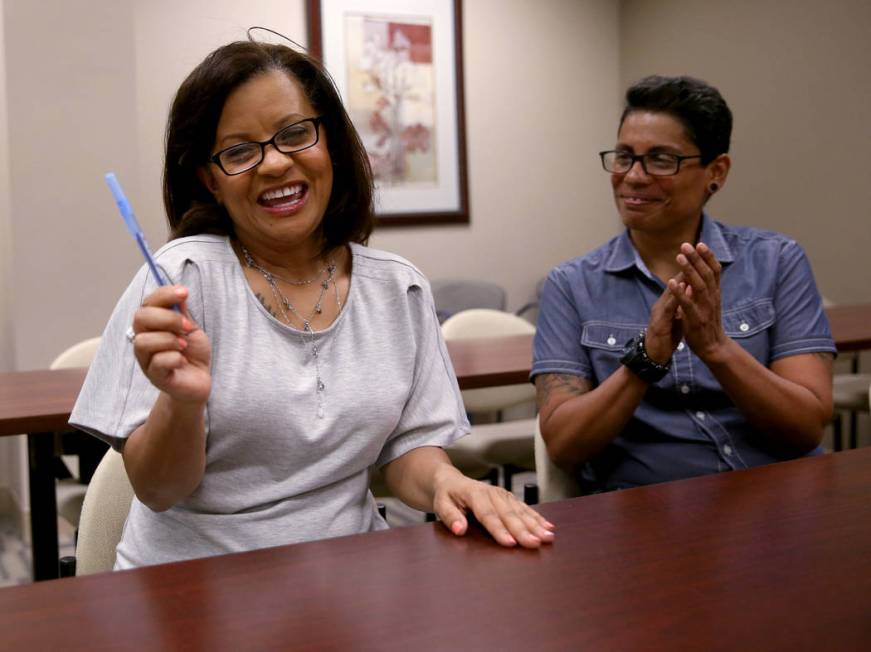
(133, 226)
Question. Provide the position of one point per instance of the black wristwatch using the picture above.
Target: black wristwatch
(636, 360)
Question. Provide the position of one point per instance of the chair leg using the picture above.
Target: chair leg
(66, 567)
(837, 433)
(508, 471)
(530, 493)
(854, 429)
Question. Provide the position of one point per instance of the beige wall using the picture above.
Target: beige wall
(797, 77)
(533, 200)
(72, 105)
(536, 194)
(6, 333)
(10, 448)
(541, 99)
(88, 88)
(88, 84)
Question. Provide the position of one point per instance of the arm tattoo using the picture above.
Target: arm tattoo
(548, 386)
(265, 304)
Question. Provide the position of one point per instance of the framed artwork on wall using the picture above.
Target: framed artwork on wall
(399, 69)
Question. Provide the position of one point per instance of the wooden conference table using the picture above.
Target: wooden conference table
(39, 403)
(771, 558)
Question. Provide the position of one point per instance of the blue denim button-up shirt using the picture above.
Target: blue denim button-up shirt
(686, 425)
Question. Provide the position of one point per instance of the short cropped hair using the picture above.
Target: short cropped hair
(193, 123)
(696, 104)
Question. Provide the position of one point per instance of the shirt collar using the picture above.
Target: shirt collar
(624, 255)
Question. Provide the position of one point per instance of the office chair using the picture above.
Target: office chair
(553, 482)
(508, 444)
(529, 310)
(848, 396)
(453, 296)
(104, 512)
(71, 490)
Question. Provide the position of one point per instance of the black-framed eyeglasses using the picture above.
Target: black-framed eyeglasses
(291, 139)
(657, 164)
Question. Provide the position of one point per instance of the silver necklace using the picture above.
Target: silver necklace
(284, 305)
(302, 281)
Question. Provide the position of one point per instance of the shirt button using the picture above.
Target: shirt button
(727, 449)
(744, 327)
(700, 415)
(612, 340)
(684, 389)
(680, 346)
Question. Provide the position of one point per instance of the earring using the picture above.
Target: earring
(713, 188)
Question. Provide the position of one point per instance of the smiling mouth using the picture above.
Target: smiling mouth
(283, 198)
(636, 200)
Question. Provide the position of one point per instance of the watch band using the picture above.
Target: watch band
(635, 359)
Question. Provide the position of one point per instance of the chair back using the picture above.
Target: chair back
(71, 491)
(78, 355)
(553, 482)
(452, 297)
(482, 322)
(107, 503)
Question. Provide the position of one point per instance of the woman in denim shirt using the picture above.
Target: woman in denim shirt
(683, 346)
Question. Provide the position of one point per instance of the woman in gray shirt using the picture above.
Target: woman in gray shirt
(298, 358)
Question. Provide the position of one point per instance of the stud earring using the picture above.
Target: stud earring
(713, 188)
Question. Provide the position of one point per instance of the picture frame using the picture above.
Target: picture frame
(398, 66)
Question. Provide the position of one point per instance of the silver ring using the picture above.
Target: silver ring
(130, 335)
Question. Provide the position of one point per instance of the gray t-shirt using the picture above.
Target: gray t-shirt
(277, 472)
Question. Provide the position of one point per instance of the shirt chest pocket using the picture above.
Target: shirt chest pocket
(605, 342)
(749, 326)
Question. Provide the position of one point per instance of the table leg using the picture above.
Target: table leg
(43, 506)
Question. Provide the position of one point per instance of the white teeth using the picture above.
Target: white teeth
(279, 193)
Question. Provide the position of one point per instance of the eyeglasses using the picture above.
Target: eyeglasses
(288, 140)
(659, 164)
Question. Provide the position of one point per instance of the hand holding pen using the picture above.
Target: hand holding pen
(173, 352)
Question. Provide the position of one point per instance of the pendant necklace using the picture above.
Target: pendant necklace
(285, 305)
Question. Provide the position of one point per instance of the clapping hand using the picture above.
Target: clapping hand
(697, 293)
(665, 328)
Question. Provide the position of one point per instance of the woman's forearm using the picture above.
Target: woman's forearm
(789, 413)
(413, 477)
(578, 422)
(166, 456)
